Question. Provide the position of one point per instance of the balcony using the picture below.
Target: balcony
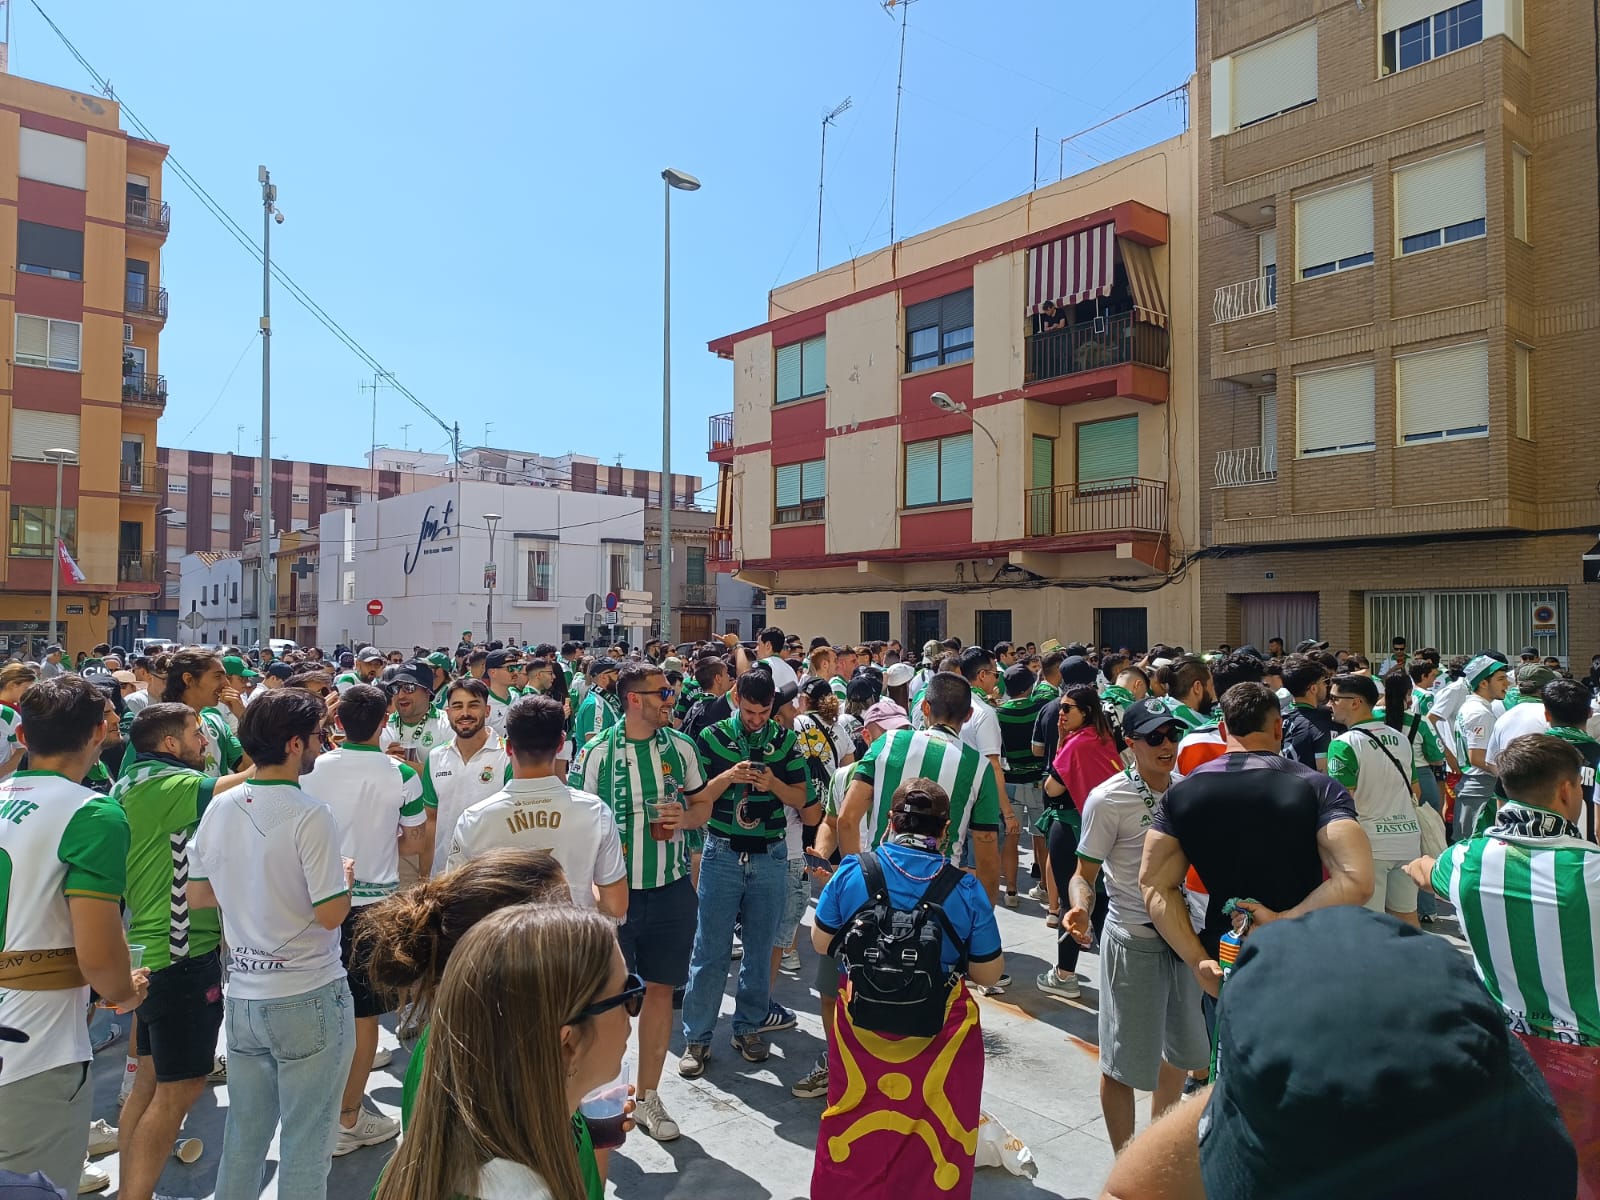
(139, 568)
(721, 438)
(142, 480)
(1247, 465)
(1247, 298)
(145, 303)
(145, 391)
(1109, 506)
(699, 595)
(304, 603)
(1112, 356)
(149, 216)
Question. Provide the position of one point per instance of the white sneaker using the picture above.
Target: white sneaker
(382, 1058)
(93, 1179)
(370, 1129)
(790, 960)
(1012, 899)
(650, 1115)
(1038, 892)
(219, 1070)
(102, 1138)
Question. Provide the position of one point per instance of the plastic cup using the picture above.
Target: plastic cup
(135, 956)
(654, 810)
(604, 1111)
(188, 1150)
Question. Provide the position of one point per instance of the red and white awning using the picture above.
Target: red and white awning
(1071, 269)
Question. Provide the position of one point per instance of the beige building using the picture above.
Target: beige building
(1398, 250)
(987, 430)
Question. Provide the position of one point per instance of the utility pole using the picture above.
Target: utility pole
(266, 581)
(684, 183)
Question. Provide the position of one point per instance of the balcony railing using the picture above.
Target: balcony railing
(1105, 506)
(306, 602)
(135, 566)
(142, 479)
(722, 431)
(1247, 298)
(699, 595)
(1247, 465)
(150, 303)
(1091, 345)
(153, 215)
(146, 391)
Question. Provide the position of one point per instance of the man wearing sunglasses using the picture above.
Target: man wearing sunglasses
(416, 725)
(500, 673)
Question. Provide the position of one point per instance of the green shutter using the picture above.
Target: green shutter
(789, 358)
(1108, 450)
(814, 366)
(1044, 462)
(788, 486)
(813, 480)
(697, 566)
(955, 468)
(922, 473)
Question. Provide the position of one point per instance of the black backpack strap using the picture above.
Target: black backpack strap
(877, 892)
(940, 890)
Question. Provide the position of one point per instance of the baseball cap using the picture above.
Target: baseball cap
(1049, 646)
(1146, 716)
(1480, 668)
(124, 677)
(440, 660)
(785, 694)
(370, 654)
(672, 663)
(1076, 669)
(234, 665)
(499, 660)
(924, 797)
(1399, 1047)
(417, 673)
(886, 714)
(898, 675)
(280, 670)
(1529, 652)
(601, 665)
(1308, 644)
(1531, 677)
(931, 650)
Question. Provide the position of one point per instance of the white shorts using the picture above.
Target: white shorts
(1392, 889)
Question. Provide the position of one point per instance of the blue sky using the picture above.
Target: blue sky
(474, 193)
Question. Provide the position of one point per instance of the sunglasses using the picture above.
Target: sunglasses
(630, 997)
(1162, 736)
(665, 693)
(405, 689)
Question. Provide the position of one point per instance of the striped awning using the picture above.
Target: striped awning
(1148, 306)
(1071, 269)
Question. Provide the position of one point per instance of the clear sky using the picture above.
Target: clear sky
(474, 191)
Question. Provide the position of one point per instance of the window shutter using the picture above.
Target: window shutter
(1276, 76)
(814, 366)
(922, 473)
(51, 158)
(813, 480)
(1267, 246)
(1269, 432)
(955, 468)
(788, 372)
(956, 310)
(1334, 224)
(34, 432)
(1397, 14)
(50, 246)
(1108, 450)
(1443, 391)
(1334, 409)
(1044, 462)
(65, 338)
(919, 316)
(1439, 192)
(788, 486)
(1524, 392)
(33, 341)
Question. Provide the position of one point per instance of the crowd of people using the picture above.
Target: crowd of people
(260, 859)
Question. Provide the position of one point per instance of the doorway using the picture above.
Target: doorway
(1123, 627)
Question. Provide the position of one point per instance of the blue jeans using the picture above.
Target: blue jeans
(1427, 906)
(734, 887)
(288, 1056)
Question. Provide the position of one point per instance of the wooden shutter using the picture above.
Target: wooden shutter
(1439, 192)
(34, 432)
(955, 468)
(922, 473)
(1108, 450)
(1334, 410)
(1334, 225)
(1275, 76)
(1443, 393)
(789, 363)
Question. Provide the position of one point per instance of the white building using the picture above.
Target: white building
(211, 599)
(424, 554)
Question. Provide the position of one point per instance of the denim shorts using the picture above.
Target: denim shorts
(795, 902)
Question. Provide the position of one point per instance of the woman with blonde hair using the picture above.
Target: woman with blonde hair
(15, 678)
(533, 1012)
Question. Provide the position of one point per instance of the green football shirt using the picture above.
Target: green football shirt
(741, 811)
(164, 801)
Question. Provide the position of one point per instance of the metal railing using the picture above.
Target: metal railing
(145, 301)
(1129, 505)
(1091, 345)
(141, 479)
(699, 595)
(722, 431)
(154, 215)
(305, 602)
(138, 566)
(1247, 465)
(1247, 298)
(147, 390)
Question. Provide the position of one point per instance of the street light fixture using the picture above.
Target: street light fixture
(492, 520)
(60, 457)
(684, 183)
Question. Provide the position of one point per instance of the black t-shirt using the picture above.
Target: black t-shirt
(1047, 732)
(1248, 825)
(706, 712)
(1307, 733)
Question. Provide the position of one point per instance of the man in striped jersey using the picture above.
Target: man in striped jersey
(1528, 893)
(598, 710)
(935, 753)
(650, 775)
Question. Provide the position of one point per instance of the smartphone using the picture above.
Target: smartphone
(816, 862)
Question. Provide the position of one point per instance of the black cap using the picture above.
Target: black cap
(1075, 670)
(499, 660)
(280, 670)
(1146, 716)
(1397, 1047)
(420, 674)
(1308, 645)
(601, 665)
(1529, 652)
(1252, 651)
(785, 694)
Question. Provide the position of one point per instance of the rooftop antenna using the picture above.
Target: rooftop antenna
(821, 169)
(899, 88)
(379, 378)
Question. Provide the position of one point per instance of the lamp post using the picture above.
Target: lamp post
(492, 519)
(684, 183)
(266, 578)
(60, 458)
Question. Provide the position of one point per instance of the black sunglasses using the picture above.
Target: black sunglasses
(630, 997)
(1162, 736)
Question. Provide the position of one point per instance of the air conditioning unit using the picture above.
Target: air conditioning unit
(127, 332)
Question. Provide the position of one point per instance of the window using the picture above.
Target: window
(43, 342)
(1443, 394)
(49, 250)
(695, 568)
(800, 492)
(216, 593)
(1269, 433)
(1519, 193)
(1463, 622)
(1333, 230)
(539, 572)
(221, 487)
(939, 471)
(221, 523)
(233, 592)
(626, 567)
(991, 626)
(1439, 201)
(178, 487)
(802, 369)
(51, 158)
(202, 597)
(1273, 78)
(33, 530)
(1334, 410)
(301, 497)
(1413, 36)
(1108, 452)
(939, 331)
(874, 627)
(1267, 255)
(33, 432)
(1524, 361)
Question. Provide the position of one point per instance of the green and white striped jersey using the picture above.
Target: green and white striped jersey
(625, 774)
(9, 720)
(1529, 903)
(596, 714)
(939, 755)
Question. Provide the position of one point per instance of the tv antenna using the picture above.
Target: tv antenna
(822, 168)
(899, 89)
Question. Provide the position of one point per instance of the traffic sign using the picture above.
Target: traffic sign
(374, 608)
(611, 602)
(194, 620)
(377, 618)
(593, 603)
(611, 617)
(1544, 620)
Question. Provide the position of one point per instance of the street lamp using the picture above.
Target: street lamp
(492, 519)
(266, 577)
(684, 183)
(60, 458)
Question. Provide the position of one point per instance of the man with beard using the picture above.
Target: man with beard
(501, 669)
(197, 678)
(164, 794)
(472, 766)
(417, 725)
(599, 711)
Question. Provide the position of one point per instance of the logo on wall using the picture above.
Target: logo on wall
(433, 528)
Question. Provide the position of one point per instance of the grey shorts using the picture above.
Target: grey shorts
(1149, 1009)
(1392, 889)
(827, 980)
(45, 1119)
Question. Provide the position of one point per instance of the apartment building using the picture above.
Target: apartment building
(987, 430)
(1398, 244)
(574, 472)
(82, 223)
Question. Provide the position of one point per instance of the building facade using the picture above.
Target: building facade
(694, 577)
(210, 602)
(1398, 248)
(82, 223)
(575, 472)
(988, 430)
